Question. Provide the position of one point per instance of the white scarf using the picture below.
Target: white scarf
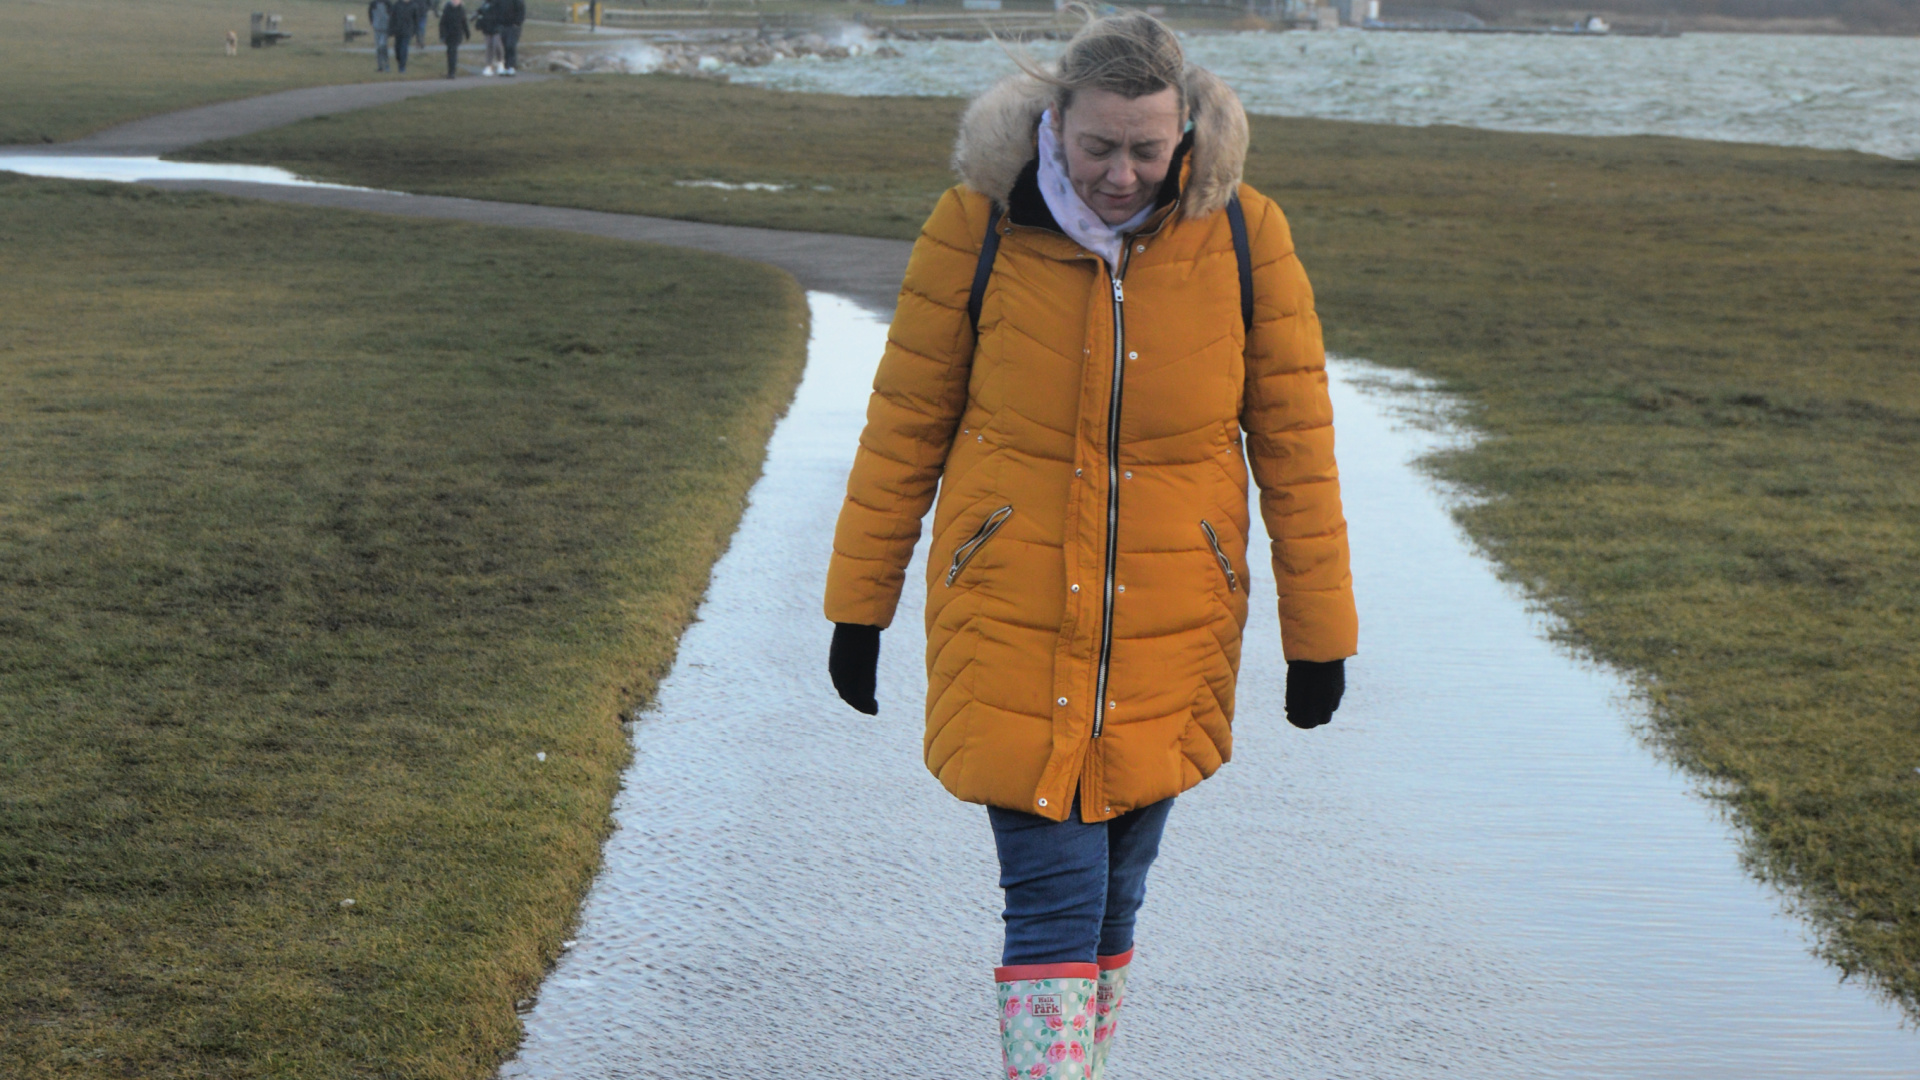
(1073, 215)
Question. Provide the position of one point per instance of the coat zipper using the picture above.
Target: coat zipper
(965, 552)
(1226, 565)
(1113, 498)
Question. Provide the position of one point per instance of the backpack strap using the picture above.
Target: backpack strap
(1242, 254)
(989, 248)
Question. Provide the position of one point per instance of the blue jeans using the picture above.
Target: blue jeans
(1074, 889)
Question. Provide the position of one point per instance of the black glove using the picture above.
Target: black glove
(1313, 690)
(852, 661)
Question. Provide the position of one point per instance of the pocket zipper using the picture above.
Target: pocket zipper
(965, 552)
(1226, 565)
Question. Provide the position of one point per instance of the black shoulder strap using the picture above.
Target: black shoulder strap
(989, 248)
(1242, 254)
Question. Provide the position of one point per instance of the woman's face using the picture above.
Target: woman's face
(1118, 148)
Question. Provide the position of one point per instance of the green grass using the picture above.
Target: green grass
(621, 143)
(315, 529)
(75, 66)
(1697, 366)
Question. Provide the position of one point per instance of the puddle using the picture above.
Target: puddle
(725, 186)
(1474, 871)
(128, 170)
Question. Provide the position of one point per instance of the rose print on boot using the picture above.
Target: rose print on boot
(1108, 996)
(1039, 1004)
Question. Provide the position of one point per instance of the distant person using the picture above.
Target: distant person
(380, 21)
(422, 9)
(1145, 331)
(486, 21)
(513, 13)
(453, 31)
(403, 21)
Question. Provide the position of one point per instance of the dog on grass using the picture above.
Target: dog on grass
(233, 43)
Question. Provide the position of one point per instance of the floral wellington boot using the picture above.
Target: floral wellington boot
(1107, 996)
(1046, 1020)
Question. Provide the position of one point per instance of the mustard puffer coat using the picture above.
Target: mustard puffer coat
(1088, 584)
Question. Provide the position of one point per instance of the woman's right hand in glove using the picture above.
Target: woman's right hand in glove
(853, 660)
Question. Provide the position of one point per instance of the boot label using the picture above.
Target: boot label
(1044, 1005)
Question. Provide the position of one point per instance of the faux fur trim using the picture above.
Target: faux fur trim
(997, 139)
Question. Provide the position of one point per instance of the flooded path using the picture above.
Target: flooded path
(1474, 871)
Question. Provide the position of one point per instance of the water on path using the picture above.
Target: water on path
(131, 170)
(1474, 871)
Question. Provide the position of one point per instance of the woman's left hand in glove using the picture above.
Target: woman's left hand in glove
(1314, 689)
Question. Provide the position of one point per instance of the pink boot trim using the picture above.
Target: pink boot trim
(1046, 971)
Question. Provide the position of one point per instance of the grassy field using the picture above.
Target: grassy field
(75, 66)
(623, 142)
(1697, 365)
(316, 530)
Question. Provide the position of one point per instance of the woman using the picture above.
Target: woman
(1087, 590)
(453, 31)
(486, 20)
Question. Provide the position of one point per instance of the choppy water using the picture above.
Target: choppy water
(1841, 93)
(1474, 871)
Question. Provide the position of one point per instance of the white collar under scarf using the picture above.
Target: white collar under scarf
(1072, 214)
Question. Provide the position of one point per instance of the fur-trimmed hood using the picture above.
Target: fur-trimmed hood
(997, 139)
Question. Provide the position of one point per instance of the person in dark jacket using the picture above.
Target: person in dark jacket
(380, 21)
(453, 31)
(402, 19)
(512, 14)
(422, 9)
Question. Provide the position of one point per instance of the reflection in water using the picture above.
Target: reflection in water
(1474, 871)
(127, 170)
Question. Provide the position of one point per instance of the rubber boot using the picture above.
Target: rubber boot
(1107, 997)
(1046, 1020)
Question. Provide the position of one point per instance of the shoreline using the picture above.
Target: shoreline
(1761, 90)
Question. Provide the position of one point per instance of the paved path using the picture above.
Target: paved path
(172, 132)
(865, 269)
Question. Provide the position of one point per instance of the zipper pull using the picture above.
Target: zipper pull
(1117, 296)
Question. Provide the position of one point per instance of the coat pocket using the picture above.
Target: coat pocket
(965, 552)
(1226, 564)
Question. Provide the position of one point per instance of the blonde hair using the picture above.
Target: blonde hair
(1132, 55)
